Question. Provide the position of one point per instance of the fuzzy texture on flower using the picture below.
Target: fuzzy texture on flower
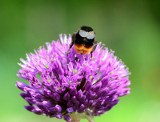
(62, 82)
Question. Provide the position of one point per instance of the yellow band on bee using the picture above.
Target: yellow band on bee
(80, 48)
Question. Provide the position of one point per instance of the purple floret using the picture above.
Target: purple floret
(62, 82)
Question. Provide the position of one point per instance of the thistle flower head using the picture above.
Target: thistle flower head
(64, 84)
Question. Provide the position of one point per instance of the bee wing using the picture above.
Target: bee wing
(83, 33)
(91, 35)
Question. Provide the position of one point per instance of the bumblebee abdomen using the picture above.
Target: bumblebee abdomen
(82, 49)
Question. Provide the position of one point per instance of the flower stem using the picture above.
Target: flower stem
(75, 118)
(79, 121)
(91, 121)
(75, 121)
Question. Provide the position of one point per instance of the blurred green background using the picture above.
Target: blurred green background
(129, 27)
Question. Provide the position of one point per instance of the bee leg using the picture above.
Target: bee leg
(94, 47)
(73, 38)
(72, 43)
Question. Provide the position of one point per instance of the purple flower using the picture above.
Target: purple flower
(64, 84)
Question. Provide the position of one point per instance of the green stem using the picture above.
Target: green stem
(75, 121)
(79, 121)
(75, 118)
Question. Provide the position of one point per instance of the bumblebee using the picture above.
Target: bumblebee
(84, 40)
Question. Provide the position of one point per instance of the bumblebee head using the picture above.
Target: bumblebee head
(86, 28)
